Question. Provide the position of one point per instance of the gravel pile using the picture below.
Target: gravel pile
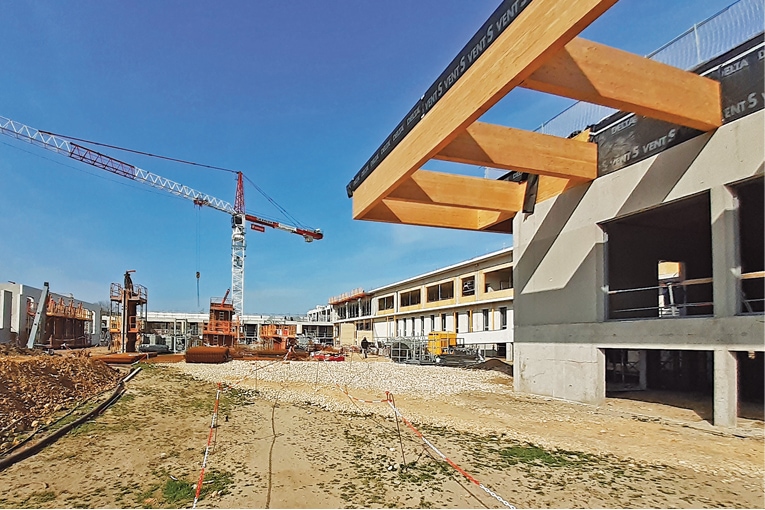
(300, 382)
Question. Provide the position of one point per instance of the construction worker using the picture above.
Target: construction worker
(364, 346)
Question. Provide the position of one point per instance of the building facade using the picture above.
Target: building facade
(178, 330)
(651, 276)
(473, 299)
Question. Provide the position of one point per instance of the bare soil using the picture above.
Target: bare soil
(146, 451)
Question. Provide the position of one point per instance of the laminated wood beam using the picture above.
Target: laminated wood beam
(599, 74)
(507, 148)
(429, 215)
(496, 222)
(439, 188)
(553, 186)
(540, 31)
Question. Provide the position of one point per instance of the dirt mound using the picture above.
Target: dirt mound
(9, 349)
(494, 364)
(35, 387)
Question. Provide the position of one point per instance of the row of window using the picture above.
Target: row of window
(408, 325)
(495, 280)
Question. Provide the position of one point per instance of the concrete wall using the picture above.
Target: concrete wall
(560, 271)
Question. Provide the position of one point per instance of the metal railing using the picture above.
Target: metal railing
(754, 305)
(671, 300)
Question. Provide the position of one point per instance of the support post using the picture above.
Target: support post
(725, 388)
(726, 261)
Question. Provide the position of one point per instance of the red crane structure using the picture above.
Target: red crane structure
(60, 145)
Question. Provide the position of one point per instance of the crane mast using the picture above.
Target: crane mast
(239, 217)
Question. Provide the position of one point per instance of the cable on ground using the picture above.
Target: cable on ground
(444, 457)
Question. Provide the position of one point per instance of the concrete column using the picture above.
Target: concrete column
(643, 367)
(726, 262)
(6, 310)
(725, 388)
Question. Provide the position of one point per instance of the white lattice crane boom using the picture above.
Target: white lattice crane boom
(239, 217)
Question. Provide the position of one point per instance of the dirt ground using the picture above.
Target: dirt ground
(147, 450)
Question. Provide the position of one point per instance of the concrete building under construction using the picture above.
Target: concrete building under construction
(65, 321)
(636, 214)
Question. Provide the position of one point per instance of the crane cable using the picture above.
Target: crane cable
(185, 162)
(197, 255)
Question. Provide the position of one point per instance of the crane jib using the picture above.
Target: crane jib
(102, 161)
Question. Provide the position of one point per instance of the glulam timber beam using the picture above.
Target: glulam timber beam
(595, 73)
(430, 215)
(437, 188)
(539, 32)
(507, 148)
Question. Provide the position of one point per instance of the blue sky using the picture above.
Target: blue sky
(297, 94)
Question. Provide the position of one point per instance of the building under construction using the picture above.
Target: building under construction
(64, 321)
(222, 326)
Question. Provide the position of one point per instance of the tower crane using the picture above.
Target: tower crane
(239, 217)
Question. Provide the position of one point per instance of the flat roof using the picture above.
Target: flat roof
(446, 269)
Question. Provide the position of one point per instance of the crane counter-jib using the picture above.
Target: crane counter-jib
(83, 154)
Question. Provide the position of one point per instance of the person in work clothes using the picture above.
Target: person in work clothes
(364, 346)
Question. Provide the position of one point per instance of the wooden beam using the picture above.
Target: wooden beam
(428, 187)
(540, 31)
(496, 222)
(507, 148)
(599, 74)
(550, 187)
(429, 215)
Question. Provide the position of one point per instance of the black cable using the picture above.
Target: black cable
(273, 202)
(168, 158)
(185, 162)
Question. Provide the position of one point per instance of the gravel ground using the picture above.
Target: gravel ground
(301, 382)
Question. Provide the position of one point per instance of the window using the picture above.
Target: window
(441, 291)
(422, 325)
(385, 303)
(432, 323)
(659, 261)
(485, 312)
(468, 286)
(443, 322)
(503, 318)
(411, 298)
(500, 279)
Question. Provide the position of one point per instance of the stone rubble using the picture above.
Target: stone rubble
(301, 382)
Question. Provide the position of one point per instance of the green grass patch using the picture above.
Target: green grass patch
(178, 492)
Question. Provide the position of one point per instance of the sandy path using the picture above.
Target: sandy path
(322, 459)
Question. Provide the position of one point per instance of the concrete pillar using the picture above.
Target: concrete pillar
(509, 351)
(643, 367)
(6, 310)
(726, 262)
(725, 388)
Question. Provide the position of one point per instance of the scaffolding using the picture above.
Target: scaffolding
(66, 325)
(222, 328)
(127, 315)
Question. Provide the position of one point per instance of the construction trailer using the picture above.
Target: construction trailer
(127, 315)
